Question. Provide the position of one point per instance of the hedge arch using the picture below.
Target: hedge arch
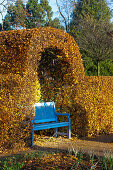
(21, 54)
(28, 44)
(44, 38)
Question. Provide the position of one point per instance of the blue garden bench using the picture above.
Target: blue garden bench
(46, 118)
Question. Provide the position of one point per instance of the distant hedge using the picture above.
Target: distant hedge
(45, 64)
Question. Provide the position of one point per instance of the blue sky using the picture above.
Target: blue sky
(53, 5)
(1, 9)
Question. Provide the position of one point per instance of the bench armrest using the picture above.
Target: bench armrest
(63, 114)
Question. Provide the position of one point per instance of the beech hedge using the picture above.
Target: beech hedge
(45, 64)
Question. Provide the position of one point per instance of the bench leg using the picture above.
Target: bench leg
(32, 137)
(56, 132)
(69, 131)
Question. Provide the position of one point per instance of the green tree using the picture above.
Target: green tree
(89, 26)
(34, 14)
(39, 14)
(55, 23)
(96, 9)
(106, 68)
(15, 17)
(94, 41)
(90, 66)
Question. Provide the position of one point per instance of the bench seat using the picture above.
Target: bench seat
(50, 125)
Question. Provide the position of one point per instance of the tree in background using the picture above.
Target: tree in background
(3, 8)
(33, 15)
(89, 26)
(71, 10)
(39, 14)
(97, 9)
(65, 9)
(94, 42)
(16, 15)
(106, 68)
(55, 23)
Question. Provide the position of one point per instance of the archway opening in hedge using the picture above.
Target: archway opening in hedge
(55, 74)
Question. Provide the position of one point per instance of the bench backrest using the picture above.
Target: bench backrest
(45, 112)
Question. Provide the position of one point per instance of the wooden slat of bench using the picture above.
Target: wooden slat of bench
(50, 125)
(43, 120)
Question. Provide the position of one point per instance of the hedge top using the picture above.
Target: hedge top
(21, 49)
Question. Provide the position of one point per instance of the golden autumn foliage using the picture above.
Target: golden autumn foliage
(95, 93)
(45, 64)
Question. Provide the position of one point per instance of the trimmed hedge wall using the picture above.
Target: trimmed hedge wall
(45, 64)
(95, 93)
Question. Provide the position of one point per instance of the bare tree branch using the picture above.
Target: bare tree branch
(62, 14)
(65, 8)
